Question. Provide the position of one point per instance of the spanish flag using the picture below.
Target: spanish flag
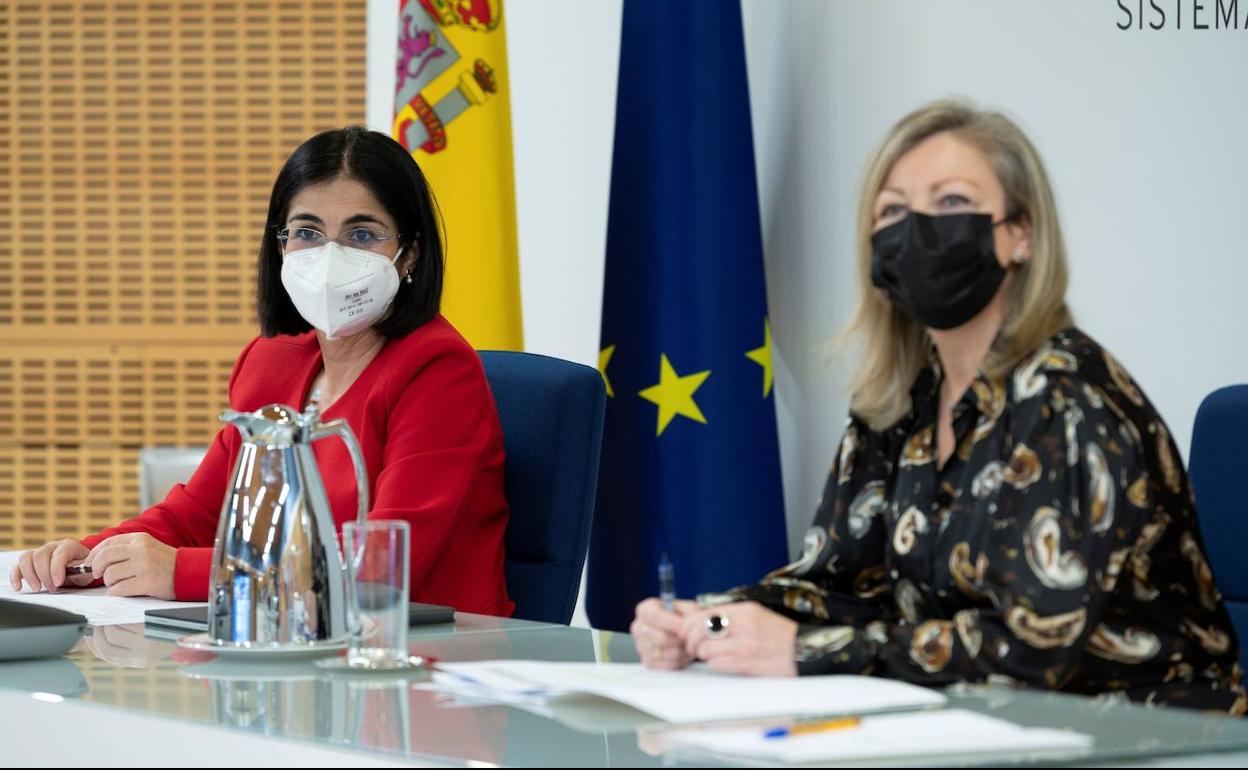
(453, 113)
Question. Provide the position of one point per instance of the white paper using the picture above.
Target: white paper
(923, 733)
(95, 604)
(691, 695)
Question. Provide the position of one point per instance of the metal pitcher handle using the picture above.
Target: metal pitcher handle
(341, 429)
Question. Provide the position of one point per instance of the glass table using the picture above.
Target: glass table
(125, 670)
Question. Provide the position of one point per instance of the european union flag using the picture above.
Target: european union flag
(690, 462)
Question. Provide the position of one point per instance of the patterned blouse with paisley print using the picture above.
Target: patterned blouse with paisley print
(1057, 548)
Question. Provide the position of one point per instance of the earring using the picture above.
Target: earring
(407, 279)
(1020, 257)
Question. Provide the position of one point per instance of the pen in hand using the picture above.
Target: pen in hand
(667, 583)
(78, 569)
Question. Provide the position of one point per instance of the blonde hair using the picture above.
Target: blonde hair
(894, 346)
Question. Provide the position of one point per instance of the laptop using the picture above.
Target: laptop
(196, 618)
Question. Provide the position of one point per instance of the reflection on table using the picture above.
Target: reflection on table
(133, 668)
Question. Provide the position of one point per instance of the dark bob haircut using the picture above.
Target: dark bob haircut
(389, 171)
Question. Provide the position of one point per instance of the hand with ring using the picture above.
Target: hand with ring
(744, 638)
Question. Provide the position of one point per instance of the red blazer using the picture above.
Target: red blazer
(426, 420)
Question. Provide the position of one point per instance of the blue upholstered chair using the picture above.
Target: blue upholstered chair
(551, 411)
(1219, 472)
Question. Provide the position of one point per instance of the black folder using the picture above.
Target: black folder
(196, 618)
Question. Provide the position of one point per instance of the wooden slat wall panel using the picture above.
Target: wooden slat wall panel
(54, 492)
(121, 395)
(138, 146)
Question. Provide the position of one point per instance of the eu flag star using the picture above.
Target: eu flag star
(604, 359)
(674, 394)
(762, 357)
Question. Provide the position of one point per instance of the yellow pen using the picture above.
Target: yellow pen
(822, 726)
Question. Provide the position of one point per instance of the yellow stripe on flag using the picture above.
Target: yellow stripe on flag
(453, 112)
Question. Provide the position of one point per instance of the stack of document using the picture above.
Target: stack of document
(732, 716)
(948, 733)
(680, 697)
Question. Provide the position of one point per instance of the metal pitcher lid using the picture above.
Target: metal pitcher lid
(276, 423)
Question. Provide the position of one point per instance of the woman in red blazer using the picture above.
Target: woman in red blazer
(349, 286)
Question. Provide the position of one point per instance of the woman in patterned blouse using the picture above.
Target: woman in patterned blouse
(1006, 503)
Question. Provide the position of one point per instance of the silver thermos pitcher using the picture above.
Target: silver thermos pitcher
(278, 576)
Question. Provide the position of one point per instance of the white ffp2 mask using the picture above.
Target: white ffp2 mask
(340, 290)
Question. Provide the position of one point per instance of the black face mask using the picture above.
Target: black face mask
(941, 271)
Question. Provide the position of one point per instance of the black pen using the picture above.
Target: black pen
(78, 569)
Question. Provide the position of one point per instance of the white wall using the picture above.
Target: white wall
(563, 74)
(1143, 133)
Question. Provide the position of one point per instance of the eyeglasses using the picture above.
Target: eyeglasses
(367, 238)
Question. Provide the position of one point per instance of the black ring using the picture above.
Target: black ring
(717, 627)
